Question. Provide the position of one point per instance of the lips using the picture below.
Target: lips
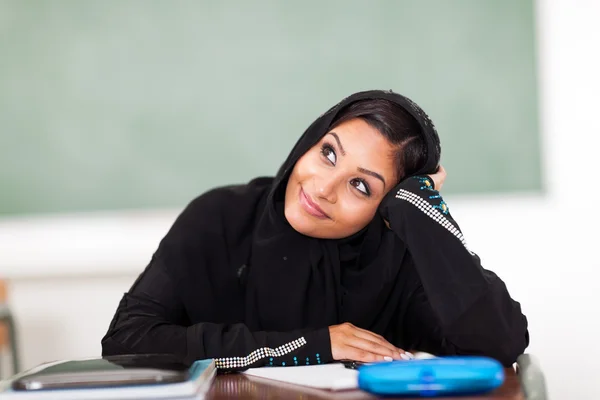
(311, 207)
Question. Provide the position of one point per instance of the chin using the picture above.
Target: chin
(301, 223)
(308, 226)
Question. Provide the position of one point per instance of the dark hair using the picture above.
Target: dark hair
(399, 127)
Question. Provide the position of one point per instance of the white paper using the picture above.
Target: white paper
(326, 376)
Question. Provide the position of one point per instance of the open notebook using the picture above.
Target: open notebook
(327, 376)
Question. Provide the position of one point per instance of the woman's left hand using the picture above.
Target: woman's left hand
(439, 178)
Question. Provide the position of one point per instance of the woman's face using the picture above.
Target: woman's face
(335, 188)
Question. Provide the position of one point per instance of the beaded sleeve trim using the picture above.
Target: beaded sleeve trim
(432, 213)
(258, 354)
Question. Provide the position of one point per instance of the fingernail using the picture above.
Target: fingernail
(388, 358)
(411, 355)
(404, 357)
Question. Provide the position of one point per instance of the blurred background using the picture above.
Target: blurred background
(115, 114)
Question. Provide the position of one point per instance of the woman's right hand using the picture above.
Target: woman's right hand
(351, 343)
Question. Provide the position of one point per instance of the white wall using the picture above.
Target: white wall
(69, 272)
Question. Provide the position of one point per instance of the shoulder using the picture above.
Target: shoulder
(214, 226)
(219, 210)
(230, 202)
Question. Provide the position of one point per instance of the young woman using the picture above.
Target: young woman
(349, 252)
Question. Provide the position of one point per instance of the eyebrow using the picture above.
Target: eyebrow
(362, 170)
(337, 139)
(373, 174)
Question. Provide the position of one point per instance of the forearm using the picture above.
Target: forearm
(472, 311)
(138, 330)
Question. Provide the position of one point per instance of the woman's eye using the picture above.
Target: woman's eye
(328, 152)
(360, 185)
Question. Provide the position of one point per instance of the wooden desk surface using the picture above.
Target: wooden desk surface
(246, 387)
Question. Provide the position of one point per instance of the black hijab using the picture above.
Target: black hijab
(326, 281)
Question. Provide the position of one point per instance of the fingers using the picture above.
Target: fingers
(439, 177)
(358, 354)
(372, 342)
(372, 347)
(350, 342)
(353, 353)
(379, 341)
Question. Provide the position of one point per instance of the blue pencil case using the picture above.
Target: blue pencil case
(433, 377)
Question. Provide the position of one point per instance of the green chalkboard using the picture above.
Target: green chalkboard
(144, 104)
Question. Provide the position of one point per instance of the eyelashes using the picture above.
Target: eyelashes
(361, 186)
(328, 152)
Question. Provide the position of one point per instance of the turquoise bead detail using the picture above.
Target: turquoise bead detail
(426, 182)
(443, 207)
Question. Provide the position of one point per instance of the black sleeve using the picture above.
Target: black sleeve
(459, 307)
(152, 318)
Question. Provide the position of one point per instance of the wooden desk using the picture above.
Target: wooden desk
(245, 387)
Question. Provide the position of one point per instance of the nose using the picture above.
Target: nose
(326, 188)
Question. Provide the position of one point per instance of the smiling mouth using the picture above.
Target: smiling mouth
(310, 206)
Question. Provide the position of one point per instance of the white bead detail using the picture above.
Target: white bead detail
(432, 213)
(258, 354)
